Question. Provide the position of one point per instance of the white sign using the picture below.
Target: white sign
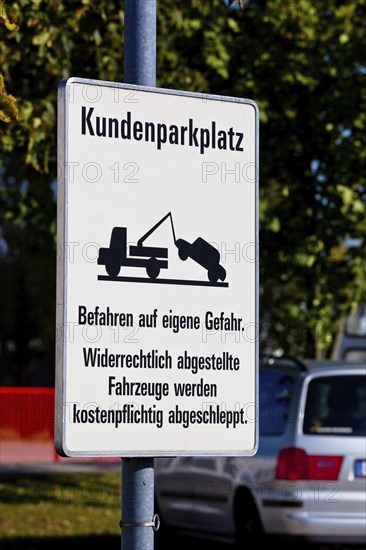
(157, 278)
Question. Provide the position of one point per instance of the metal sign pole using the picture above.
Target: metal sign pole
(138, 473)
(140, 42)
(137, 522)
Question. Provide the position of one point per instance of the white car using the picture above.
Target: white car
(308, 478)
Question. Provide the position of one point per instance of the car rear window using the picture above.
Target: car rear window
(336, 405)
(275, 395)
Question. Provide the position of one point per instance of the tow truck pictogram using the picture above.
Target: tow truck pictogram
(153, 259)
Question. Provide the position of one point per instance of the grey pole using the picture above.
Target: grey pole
(137, 504)
(140, 42)
(138, 473)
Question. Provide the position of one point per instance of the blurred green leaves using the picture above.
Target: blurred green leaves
(302, 62)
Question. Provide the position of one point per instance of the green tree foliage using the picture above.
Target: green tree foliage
(302, 62)
(8, 108)
(314, 194)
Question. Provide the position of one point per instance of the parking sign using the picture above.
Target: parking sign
(157, 275)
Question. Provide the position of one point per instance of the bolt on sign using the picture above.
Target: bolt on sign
(157, 274)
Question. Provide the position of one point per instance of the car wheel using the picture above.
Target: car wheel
(248, 525)
(213, 276)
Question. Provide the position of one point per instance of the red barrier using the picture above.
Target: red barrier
(27, 426)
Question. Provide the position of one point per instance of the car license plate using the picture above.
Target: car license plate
(360, 468)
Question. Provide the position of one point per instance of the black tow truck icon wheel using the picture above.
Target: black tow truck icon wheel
(153, 259)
